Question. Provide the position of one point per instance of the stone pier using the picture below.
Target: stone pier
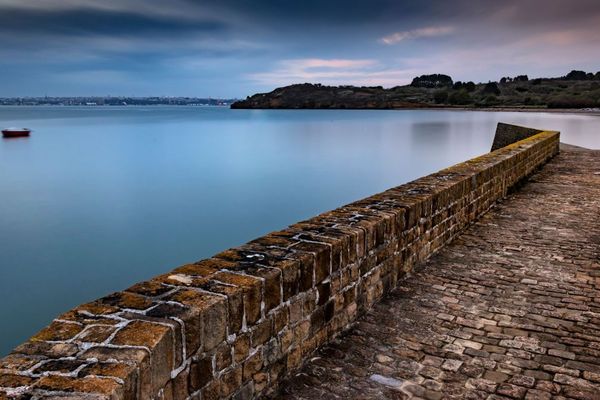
(509, 310)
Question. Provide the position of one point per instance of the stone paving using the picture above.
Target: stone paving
(509, 310)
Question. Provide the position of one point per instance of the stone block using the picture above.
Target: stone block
(205, 318)
(57, 331)
(248, 261)
(230, 381)
(321, 258)
(252, 288)
(89, 384)
(241, 348)
(252, 365)
(201, 373)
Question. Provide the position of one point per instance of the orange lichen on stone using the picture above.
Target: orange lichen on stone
(58, 331)
(150, 288)
(272, 240)
(203, 268)
(127, 300)
(19, 362)
(141, 333)
(239, 280)
(95, 334)
(194, 298)
(114, 369)
(14, 381)
(134, 356)
(46, 349)
(83, 317)
(96, 308)
(88, 384)
(186, 280)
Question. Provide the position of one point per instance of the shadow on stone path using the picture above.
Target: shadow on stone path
(509, 310)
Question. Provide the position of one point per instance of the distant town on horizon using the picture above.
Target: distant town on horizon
(113, 101)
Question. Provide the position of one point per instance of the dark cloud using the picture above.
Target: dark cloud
(85, 22)
(312, 12)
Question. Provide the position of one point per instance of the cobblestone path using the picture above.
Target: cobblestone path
(509, 310)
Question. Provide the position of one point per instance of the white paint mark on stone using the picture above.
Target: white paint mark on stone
(259, 256)
(186, 280)
(382, 358)
(387, 381)
(528, 281)
(17, 391)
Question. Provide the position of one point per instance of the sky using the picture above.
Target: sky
(235, 48)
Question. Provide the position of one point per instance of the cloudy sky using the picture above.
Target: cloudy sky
(233, 48)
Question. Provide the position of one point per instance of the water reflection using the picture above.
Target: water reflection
(99, 198)
(430, 134)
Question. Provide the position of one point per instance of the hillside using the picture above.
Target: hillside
(577, 89)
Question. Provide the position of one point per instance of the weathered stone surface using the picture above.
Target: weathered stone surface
(126, 300)
(252, 289)
(15, 381)
(253, 263)
(204, 317)
(89, 384)
(57, 331)
(201, 373)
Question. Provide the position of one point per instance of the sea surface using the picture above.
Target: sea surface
(100, 198)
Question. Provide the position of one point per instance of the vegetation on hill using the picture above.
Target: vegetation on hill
(577, 89)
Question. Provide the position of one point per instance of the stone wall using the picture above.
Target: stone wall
(507, 134)
(234, 325)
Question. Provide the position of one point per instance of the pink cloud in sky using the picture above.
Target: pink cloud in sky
(329, 63)
(333, 72)
(431, 31)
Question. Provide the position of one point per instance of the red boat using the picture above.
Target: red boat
(15, 132)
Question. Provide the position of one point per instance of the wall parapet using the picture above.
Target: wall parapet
(232, 326)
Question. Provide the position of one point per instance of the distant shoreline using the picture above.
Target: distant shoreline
(579, 111)
(592, 112)
(115, 105)
(517, 109)
(575, 91)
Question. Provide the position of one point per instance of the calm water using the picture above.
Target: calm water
(100, 198)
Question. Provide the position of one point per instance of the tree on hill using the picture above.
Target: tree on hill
(576, 76)
(468, 86)
(432, 81)
(491, 88)
(518, 78)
